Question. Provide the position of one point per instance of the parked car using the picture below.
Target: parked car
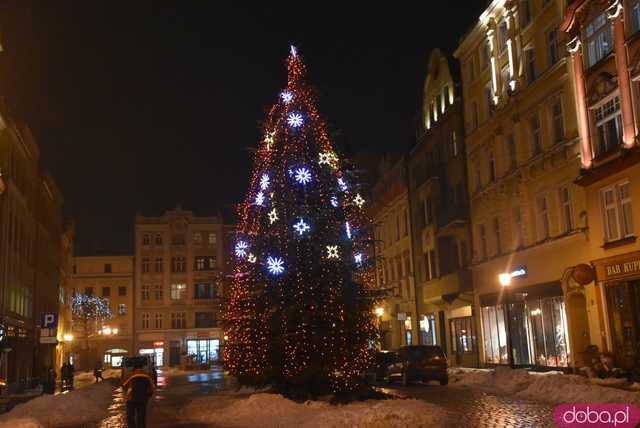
(381, 361)
(148, 364)
(419, 363)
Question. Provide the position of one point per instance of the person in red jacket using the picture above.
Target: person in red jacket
(139, 387)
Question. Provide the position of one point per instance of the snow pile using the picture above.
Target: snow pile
(552, 387)
(271, 410)
(77, 407)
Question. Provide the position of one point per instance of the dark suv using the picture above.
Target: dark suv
(419, 363)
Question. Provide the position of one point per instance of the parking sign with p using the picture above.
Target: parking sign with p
(50, 321)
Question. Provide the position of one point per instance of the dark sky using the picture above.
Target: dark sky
(139, 105)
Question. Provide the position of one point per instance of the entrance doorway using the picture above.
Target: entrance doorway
(623, 300)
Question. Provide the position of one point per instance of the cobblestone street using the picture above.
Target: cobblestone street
(475, 408)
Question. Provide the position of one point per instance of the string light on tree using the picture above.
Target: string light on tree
(268, 139)
(264, 181)
(342, 184)
(303, 175)
(332, 252)
(275, 265)
(273, 216)
(334, 201)
(241, 248)
(359, 200)
(251, 258)
(347, 228)
(294, 120)
(358, 258)
(301, 227)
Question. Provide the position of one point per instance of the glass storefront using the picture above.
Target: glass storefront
(461, 334)
(623, 301)
(428, 329)
(158, 353)
(538, 327)
(204, 350)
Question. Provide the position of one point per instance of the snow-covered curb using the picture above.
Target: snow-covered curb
(272, 410)
(78, 407)
(552, 387)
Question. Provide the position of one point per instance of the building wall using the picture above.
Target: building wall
(111, 278)
(523, 154)
(161, 242)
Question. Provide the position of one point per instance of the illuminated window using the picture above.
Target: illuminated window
(122, 309)
(178, 291)
(197, 238)
(212, 238)
(598, 39)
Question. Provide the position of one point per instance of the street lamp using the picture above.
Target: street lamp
(379, 311)
(505, 281)
(68, 337)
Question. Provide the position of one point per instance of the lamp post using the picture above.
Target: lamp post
(379, 314)
(505, 281)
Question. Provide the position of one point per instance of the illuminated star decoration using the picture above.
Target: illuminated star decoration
(268, 139)
(303, 176)
(251, 258)
(348, 229)
(260, 198)
(334, 201)
(327, 158)
(275, 265)
(332, 252)
(359, 200)
(294, 119)
(241, 248)
(264, 182)
(273, 216)
(286, 96)
(358, 258)
(342, 185)
(301, 227)
(290, 172)
(294, 51)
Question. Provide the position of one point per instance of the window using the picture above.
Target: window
(157, 292)
(145, 264)
(212, 238)
(204, 291)
(511, 150)
(534, 133)
(178, 320)
(474, 115)
(553, 44)
(517, 224)
(542, 205)
(107, 268)
(494, 335)
(566, 209)
(609, 126)
(454, 144)
(482, 232)
(485, 56)
(146, 239)
(504, 35)
(197, 238)
(88, 291)
(525, 12)
(122, 309)
(158, 320)
(205, 320)
(461, 334)
(530, 61)
(635, 16)
(178, 264)
(204, 350)
(145, 320)
(158, 264)
(497, 235)
(178, 291)
(492, 167)
(598, 39)
(478, 176)
(122, 291)
(106, 291)
(204, 263)
(145, 292)
(557, 121)
(488, 95)
(428, 330)
(199, 263)
(158, 239)
(617, 213)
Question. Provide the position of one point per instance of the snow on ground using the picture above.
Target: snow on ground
(77, 407)
(272, 410)
(552, 387)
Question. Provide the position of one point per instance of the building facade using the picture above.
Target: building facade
(394, 264)
(110, 278)
(439, 206)
(64, 334)
(528, 217)
(180, 276)
(30, 241)
(604, 42)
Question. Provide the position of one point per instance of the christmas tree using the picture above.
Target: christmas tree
(299, 316)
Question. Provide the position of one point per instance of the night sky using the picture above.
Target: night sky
(138, 106)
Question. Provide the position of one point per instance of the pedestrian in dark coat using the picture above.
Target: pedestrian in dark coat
(139, 387)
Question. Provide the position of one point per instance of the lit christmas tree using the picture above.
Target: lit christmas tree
(299, 316)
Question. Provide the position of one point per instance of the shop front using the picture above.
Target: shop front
(535, 320)
(620, 279)
(154, 350)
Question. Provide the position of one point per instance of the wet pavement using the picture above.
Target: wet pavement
(479, 409)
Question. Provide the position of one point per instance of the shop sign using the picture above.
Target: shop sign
(519, 271)
(158, 344)
(616, 270)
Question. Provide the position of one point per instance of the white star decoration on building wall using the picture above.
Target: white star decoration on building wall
(294, 119)
(332, 252)
(359, 200)
(275, 265)
(301, 227)
(273, 216)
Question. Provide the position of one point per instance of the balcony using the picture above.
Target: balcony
(452, 217)
(447, 285)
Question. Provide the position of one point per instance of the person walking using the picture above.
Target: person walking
(139, 388)
(97, 371)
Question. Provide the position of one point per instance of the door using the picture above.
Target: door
(624, 302)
